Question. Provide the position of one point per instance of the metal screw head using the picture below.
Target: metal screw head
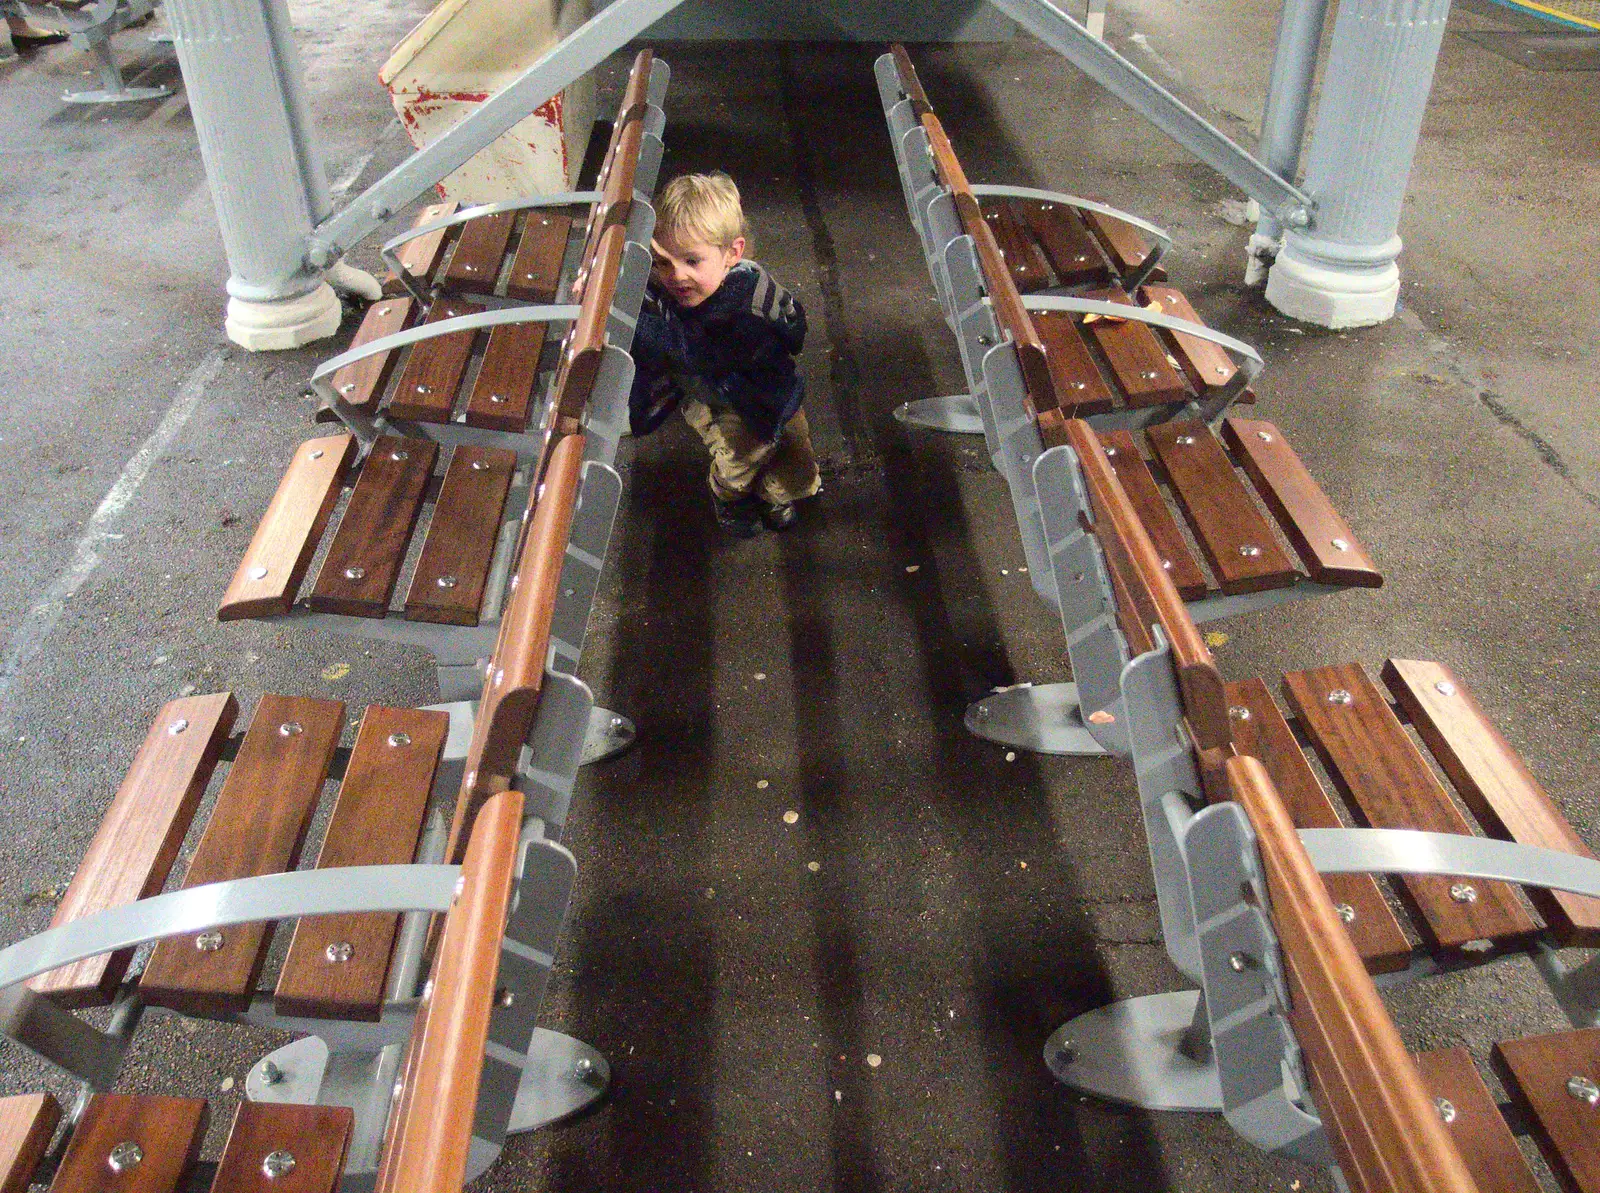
(399, 739)
(1148, 374)
(258, 573)
(291, 728)
(616, 722)
(480, 465)
(1239, 962)
(423, 389)
(986, 340)
(1111, 451)
(1222, 370)
(403, 455)
(277, 1164)
(177, 727)
(504, 997)
(344, 389)
(1340, 696)
(1239, 712)
(1340, 545)
(270, 1073)
(354, 573)
(383, 310)
(583, 1067)
(1445, 688)
(316, 454)
(1346, 912)
(1584, 1089)
(471, 268)
(124, 1156)
(1079, 385)
(446, 581)
(983, 712)
(497, 399)
(1047, 207)
(1447, 1109)
(1464, 892)
(339, 951)
(1249, 550)
(1264, 436)
(1166, 565)
(208, 942)
(1185, 440)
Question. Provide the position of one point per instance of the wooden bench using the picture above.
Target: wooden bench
(448, 1114)
(1275, 942)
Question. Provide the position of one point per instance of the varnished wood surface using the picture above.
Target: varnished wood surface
(448, 585)
(582, 350)
(269, 575)
(1381, 1120)
(363, 562)
(503, 390)
(1126, 245)
(362, 383)
(316, 1136)
(1480, 1134)
(421, 256)
(257, 826)
(536, 268)
(1206, 364)
(1136, 568)
(26, 1123)
(1171, 548)
(139, 836)
(1023, 257)
(376, 821)
(168, 1131)
(1321, 537)
(428, 385)
(1264, 734)
(908, 79)
(1083, 391)
(1494, 782)
(1377, 768)
(1138, 359)
(1073, 253)
(1567, 1129)
(480, 250)
(430, 1134)
(1235, 536)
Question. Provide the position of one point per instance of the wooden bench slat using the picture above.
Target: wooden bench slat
(361, 384)
(1322, 539)
(427, 1153)
(27, 1121)
(1077, 378)
(427, 388)
(1377, 768)
(1264, 734)
(1234, 535)
(584, 345)
(420, 257)
(257, 827)
(1566, 1128)
(1494, 782)
(1480, 1134)
(1137, 358)
(503, 390)
(363, 563)
(167, 1131)
(269, 575)
(1125, 244)
(536, 268)
(454, 565)
(1180, 564)
(140, 835)
(1023, 257)
(480, 249)
(1073, 253)
(1384, 1127)
(376, 821)
(316, 1136)
(1207, 365)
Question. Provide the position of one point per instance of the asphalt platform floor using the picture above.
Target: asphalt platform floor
(854, 997)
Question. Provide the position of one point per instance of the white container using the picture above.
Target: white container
(462, 53)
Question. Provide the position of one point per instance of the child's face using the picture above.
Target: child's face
(692, 272)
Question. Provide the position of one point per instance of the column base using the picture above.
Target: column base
(1328, 295)
(286, 323)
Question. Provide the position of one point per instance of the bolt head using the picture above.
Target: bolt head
(399, 739)
(1340, 545)
(124, 1156)
(446, 581)
(1464, 892)
(1446, 1108)
(1239, 712)
(497, 399)
(177, 727)
(270, 1073)
(1584, 1089)
(291, 729)
(354, 573)
(339, 951)
(1340, 696)
(1264, 436)
(208, 942)
(279, 1163)
(403, 455)
(347, 387)
(583, 1067)
(1185, 440)
(1249, 550)
(1239, 962)
(258, 573)
(504, 997)
(1445, 688)
(317, 454)
(480, 466)
(1346, 912)
(1111, 451)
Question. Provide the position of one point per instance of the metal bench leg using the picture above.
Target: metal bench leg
(1044, 718)
(8, 48)
(957, 412)
(97, 41)
(1152, 1052)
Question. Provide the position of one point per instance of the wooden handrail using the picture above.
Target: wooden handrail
(430, 1130)
(1381, 1121)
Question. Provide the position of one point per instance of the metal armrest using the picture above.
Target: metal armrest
(1409, 851)
(1163, 239)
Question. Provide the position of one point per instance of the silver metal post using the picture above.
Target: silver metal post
(1342, 273)
(243, 79)
(1283, 121)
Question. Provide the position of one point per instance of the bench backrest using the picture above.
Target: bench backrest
(619, 169)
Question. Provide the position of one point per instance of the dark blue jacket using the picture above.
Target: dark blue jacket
(741, 341)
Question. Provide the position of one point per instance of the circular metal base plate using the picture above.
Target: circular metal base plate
(1042, 718)
(563, 1075)
(609, 734)
(128, 95)
(958, 413)
(1129, 1052)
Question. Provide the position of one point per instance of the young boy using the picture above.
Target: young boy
(717, 336)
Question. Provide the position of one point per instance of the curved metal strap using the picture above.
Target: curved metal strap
(1409, 851)
(1162, 236)
(241, 901)
(1253, 363)
(561, 199)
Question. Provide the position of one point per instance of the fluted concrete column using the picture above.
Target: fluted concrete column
(1341, 272)
(242, 74)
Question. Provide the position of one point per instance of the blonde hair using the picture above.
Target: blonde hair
(700, 209)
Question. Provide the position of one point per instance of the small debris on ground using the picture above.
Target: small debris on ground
(791, 816)
(873, 1060)
(335, 671)
(1011, 755)
(762, 784)
(912, 567)
(1216, 638)
(813, 866)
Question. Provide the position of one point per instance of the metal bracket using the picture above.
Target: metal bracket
(1040, 718)
(1139, 1052)
(957, 413)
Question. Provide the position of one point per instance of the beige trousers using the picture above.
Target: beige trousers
(742, 463)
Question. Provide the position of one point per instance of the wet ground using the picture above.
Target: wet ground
(931, 904)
